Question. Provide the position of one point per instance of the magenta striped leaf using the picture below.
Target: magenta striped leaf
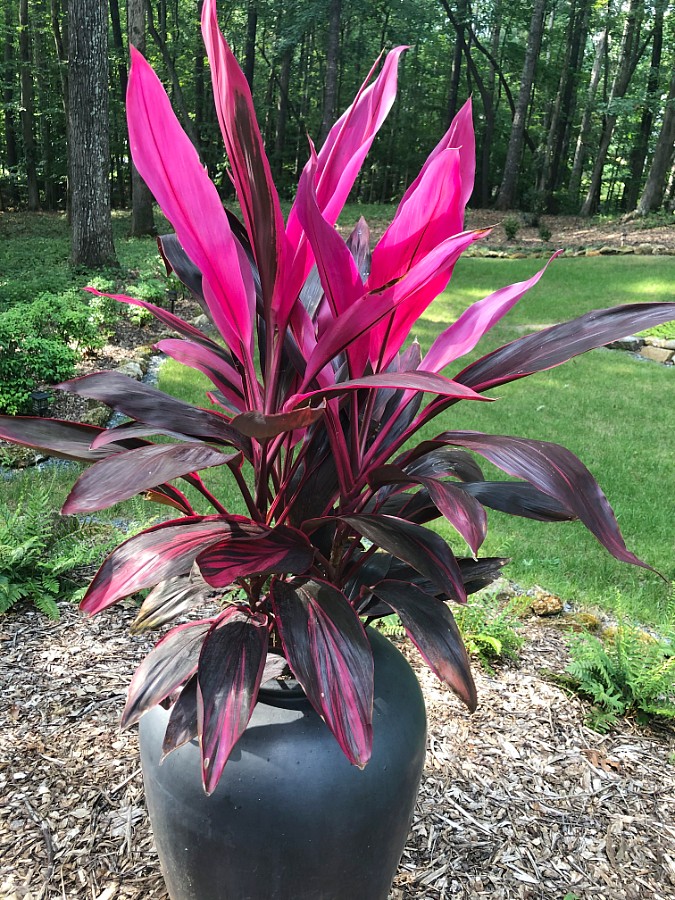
(557, 472)
(164, 669)
(329, 654)
(170, 166)
(198, 356)
(250, 168)
(230, 670)
(553, 346)
(154, 407)
(252, 549)
(163, 551)
(460, 509)
(124, 475)
(431, 627)
(168, 495)
(420, 548)
(412, 381)
(176, 260)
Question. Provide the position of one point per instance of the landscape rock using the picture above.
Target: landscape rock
(608, 251)
(657, 354)
(630, 343)
(131, 369)
(644, 249)
(12, 456)
(96, 414)
(545, 604)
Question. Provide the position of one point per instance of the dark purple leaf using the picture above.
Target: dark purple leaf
(163, 551)
(170, 599)
(432, 628)
(182, 724)
(255, 550)
(230, 669)
(411, 381)
(557, 472)
(222, 375)
(553, 346)
(518, 498)
(329, 654)
(168, 495)
(67, 440)
(176, 260)
(121, 433)
(258, 425)
(126, 474)
(153, 407)
(173, 661)
(467, 517)
(436, 460)
(422, 549)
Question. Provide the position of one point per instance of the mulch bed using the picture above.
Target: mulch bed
(519, 799)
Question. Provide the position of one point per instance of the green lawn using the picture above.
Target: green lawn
(613, 411)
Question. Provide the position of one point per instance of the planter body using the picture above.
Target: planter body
(291, 819)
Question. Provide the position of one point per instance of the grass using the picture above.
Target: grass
(599, 405)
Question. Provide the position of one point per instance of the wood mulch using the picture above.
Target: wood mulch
(519, 800)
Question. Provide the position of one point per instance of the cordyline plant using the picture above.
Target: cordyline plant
(314, 389)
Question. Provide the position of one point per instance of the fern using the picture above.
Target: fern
(630, 673)
(489, 628)
(42, 553)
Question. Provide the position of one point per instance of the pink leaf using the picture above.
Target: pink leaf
(170, 166)
(250, 168)
(463, 335)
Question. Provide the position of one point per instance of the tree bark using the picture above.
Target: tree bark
(282, 110)
(11, 150)
(652, 195)
(332, 59)
(92, 241)
(249, 52)
(62, 55)
(638, 153)
(27, 114)
(627, 61)
(142, 220)
(586, 120)
(509, 188)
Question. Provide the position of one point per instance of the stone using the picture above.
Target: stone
(592, 253)
(657, 354)
(660, 342)
(608, 251)
(131, 369)
(630, 343)
(644, 249)
(96, 414)
(545, 604)
(12, 456)
(625, 251)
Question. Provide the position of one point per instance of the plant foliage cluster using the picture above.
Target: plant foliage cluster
(316, 398)
(629, 672)
(45, 557)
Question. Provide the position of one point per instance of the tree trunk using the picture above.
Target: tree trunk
(640, 147)
(460, 43)
(61, 54)
(46, 118)
(652, 196)
(509, 188)
(282, 110)
(627, 53)
(586, 120)
(142, 220)
(249, 52)
(11, 150)
(332, 58)
(92, 241)
(27, 116)
(199, 77)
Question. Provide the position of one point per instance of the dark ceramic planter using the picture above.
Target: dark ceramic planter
(291, 819)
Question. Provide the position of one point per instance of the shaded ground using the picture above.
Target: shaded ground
(519, 800)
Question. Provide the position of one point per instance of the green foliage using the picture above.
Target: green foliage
(545, 233)
(390, 625)
(631, 672)
(489, 628)
(511, 227)
(41, 551)
(27, 361)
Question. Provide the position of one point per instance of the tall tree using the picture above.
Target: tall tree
(629, 54)
(27, 105)
(142, 220)
(652, 195)
(251, 29)
(508, 191)
(92, 240)
(11, 149)
(332, 68)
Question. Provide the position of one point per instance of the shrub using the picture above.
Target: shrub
(631, 672)
(511, 227)
(545, 233)
(27, 361)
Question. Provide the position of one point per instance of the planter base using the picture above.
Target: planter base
(291, 819)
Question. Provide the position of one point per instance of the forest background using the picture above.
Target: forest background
(574, 100)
